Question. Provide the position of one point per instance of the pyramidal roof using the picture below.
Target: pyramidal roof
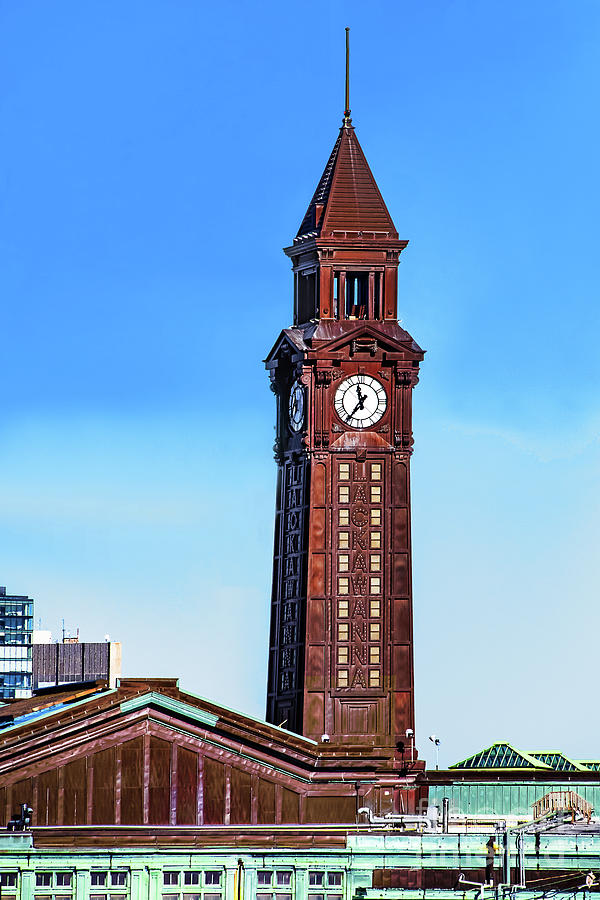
(347, 198)
(501, 756)
(557, 760)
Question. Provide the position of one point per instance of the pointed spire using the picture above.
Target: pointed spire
(347, 201)
(347, 119)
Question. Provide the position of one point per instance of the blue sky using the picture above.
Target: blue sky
(156, 158)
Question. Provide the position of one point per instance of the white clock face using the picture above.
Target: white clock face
(296, 406)
(360, 401)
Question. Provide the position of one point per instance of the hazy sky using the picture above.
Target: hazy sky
(156, 157)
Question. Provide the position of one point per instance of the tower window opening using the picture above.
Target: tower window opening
(357, 295)
(307, 296)
(336, 295)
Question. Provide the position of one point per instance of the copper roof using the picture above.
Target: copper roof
(348, 195)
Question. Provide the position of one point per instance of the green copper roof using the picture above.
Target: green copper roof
(171, 705)
(501, 756)
(504, 756)
(593, 765)
(558, 761)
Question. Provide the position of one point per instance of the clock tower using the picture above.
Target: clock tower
(341, 637)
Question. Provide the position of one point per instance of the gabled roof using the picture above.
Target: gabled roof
(332, 335)
(329, 335)
(290, 341)
(347, 195)
(501, 756)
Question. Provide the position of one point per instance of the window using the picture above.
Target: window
(343, 516)
(343, 609)
(191, 878)
(210, 896)
(343, 585)
(334, 879)
(283, 878)
(375, 607)
(375, 540)
(283, 897)
(344, 471)
(315, 878)
(43, 879)
(376, 493)
(342, 679)
(8, 879)
(170, 878)
(98, 896)
(263, 877)
(167, 896)
(344, 493)
(374, 655)
(375, 562)
(118, 879)
(64, 879)
(98, 879)
(375, 584)
(343, 658)
(374, 680)
(343, 562)
(376, 516)
(357, 295)
(374, 631)
(344, 540)
(376, 471)
(343, 631)
(212, 877)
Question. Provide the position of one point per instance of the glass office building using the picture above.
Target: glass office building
(16, 630)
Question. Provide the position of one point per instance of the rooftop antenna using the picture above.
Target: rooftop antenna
(347, 119)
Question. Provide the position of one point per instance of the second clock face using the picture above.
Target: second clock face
(360, 401)
(296, 407)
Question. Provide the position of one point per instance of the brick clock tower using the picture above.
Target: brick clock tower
(341, 639)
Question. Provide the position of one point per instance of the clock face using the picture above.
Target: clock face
(296, 406)
(360, 401)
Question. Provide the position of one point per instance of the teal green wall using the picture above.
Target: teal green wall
(505, 799)
(364, 852)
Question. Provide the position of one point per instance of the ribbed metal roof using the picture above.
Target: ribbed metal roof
(349, 195)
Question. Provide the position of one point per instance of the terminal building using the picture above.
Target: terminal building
(140, 790)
